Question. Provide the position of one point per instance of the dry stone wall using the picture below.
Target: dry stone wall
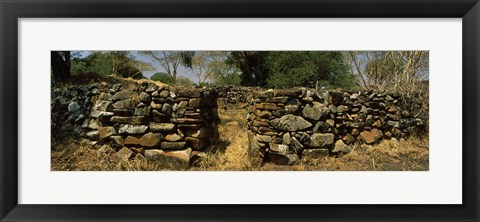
(157, 122)
(285, 125)
(233, 95)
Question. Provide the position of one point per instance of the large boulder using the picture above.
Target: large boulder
(290, 123)
(321, 140)
(314, 111)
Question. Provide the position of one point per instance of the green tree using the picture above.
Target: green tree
(223, 73)
(294, 68)
(162, 77)
(117, 63)
(170, 60)
(252, 64)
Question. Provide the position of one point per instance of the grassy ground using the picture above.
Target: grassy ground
(229, 154)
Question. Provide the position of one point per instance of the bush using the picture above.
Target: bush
(162, 77)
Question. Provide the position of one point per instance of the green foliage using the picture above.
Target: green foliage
(119, 63)
(223, 73)
(252, 64)
(162, 77)
(292, 69)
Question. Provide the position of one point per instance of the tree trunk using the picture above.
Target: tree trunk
(60, 65)
(174, 76)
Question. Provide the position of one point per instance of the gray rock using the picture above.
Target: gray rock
(173, 145)
(321, 140)
(164, 93)
(162, 127)
(73, 107)
(393, 123)
(341, 147)
(167, 109)
(321, 127)
(132, 129)
(292, 106)
(315, 153)
(122, 95)
(290, 123)
(286, 138)
(263, 138)
(296, 145)
(105, 132)
(117, 141)
(93, 135)
(124, 154)
(145, 111)
(254, 152)
(144, 97)
(178, 159)
(124, 104)
(314, 111)
(103, 105)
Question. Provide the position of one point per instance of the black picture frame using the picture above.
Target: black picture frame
(11, 11)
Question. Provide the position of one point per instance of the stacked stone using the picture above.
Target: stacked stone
(285, 125)
(69, 109)
(155, 121)
(233, 95)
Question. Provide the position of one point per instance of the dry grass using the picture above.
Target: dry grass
(229, 154)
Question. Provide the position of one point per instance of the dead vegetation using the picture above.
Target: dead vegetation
(229, 154)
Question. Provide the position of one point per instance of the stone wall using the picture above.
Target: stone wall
(285, 125)
(155, 121)
(233, 95)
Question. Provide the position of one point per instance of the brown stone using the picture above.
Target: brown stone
(124, 104)
(173, 145)
(104, 132)
(349, 139)
(260, 123)
(263, 113)
(195, 102)
(268, 106)
(162, 127)
(263, 138)
(125, 154)
(370, 137)
(178, 159)
(173, 137)
(196, 143)
(263, 94)
(185, 120)
(147, 140)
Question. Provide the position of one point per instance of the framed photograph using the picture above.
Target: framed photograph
(227, 110)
